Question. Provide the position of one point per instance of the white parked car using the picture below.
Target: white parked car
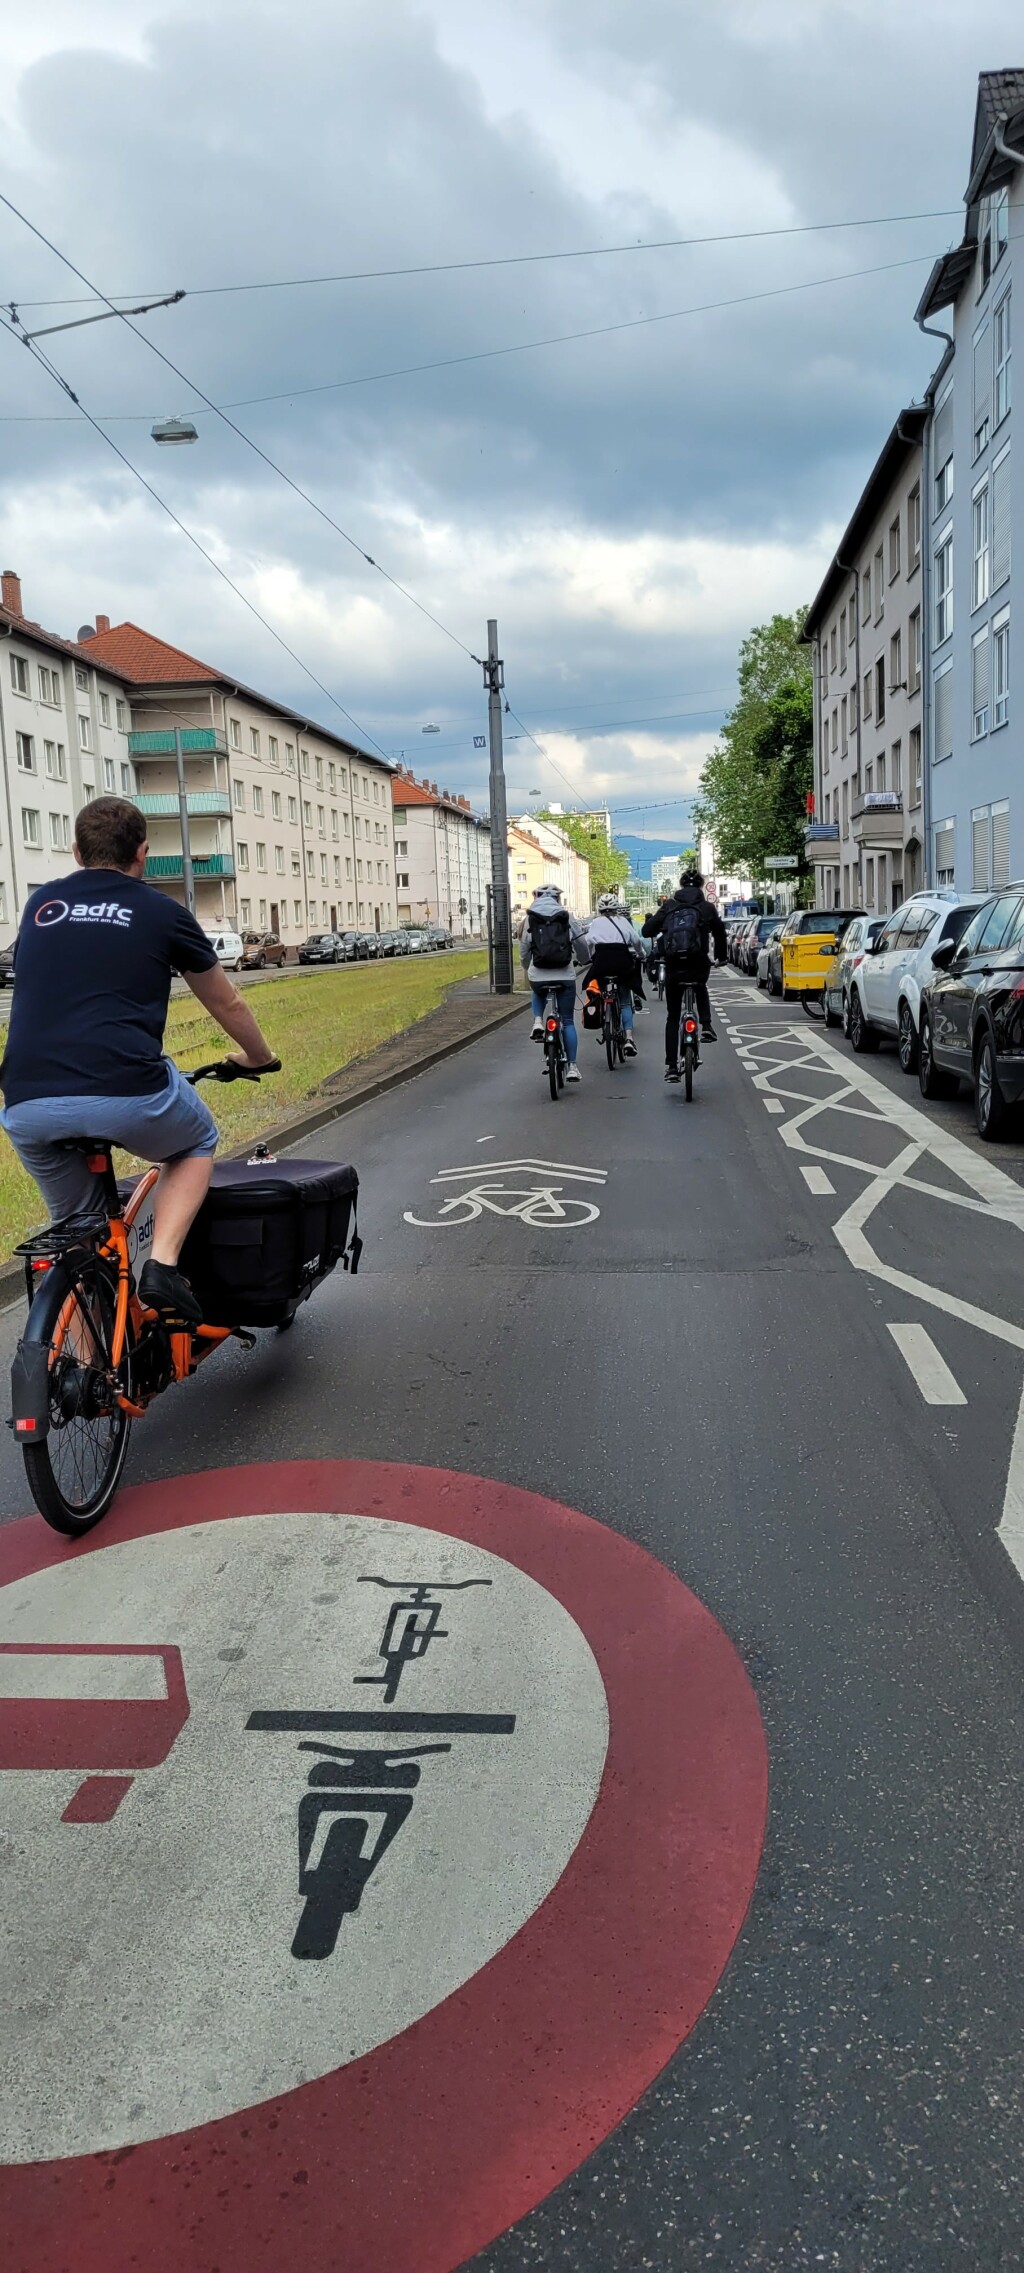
(885, 995)
(228, 948)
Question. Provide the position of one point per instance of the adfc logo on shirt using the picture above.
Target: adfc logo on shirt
(92, 911)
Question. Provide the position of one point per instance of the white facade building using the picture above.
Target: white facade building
(442, 858)
(573, 872)
(64, 738)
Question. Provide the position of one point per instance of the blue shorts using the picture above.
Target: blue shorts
(171, 1124)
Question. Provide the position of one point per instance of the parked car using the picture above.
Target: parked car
(438, 937)
(760, 929)
(323, 947)
(369, 945)
(971, 1023)
(352, 942)
(774, 924)
(228, 948)
(416, 940)
(849, 955)
(6, 964)
(392, 943)
(885, 996)
(261, 948)
(808, 942)
(734, 925)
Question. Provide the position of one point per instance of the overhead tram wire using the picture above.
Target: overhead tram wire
(221, 413)
(528, 260)
(451, 362)
(50, 368)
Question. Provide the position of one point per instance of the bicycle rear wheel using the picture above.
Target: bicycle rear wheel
(688, 1070)
(553, 1071)
(609, 1036)
(74, 1471)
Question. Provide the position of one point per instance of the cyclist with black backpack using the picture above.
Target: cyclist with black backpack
(551, 946)
(683, 928)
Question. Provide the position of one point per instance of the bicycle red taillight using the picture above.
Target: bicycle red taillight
(690, 1025)
(552, 1025)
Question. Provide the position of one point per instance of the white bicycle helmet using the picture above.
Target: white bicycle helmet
(609, 904)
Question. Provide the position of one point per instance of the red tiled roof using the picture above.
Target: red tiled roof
(52, 639)
(148, 661)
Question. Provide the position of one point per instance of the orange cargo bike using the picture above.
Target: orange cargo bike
(92, 1359)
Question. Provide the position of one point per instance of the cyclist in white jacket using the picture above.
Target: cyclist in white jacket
(616, 951)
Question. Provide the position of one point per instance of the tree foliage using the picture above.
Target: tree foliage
(609, 867)
(753, 788)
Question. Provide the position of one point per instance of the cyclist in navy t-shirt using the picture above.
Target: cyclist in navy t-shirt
(94, 960)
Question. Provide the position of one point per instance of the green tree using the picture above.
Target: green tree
(609, 867)
(753, 788)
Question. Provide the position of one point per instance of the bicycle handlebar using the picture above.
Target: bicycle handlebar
(228, 1069)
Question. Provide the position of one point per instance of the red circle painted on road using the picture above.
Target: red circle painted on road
(416, 2156)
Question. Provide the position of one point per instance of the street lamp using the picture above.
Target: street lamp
(174, 430)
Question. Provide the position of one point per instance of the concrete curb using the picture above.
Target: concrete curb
(12, 1274)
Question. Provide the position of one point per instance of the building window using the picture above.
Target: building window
(914, 528)
(257, 798)
(238, 793)
(293, 809)
(337, 869)
(914, 673)
(49, 686)
(309, 864)
(945, 838)
(334, 823)
(348, 868)
(865, 594)
(979, 547)
(866, 712)
(915, 765)
(122, 717)
(343, 776)
(254, 741)
(263, 915)
(296, 865)
(108, 773)
(279, 859)
(289, 756)
(31, 833)
(242, 853)
(980, 686)
(842, 641)
(307, 813)
(854, 698)
(332, 776)
(846, 808)
(245, 907)
(1001, 668)
(323, 868)
(1001, 328)
(896, 769)
(942, 444)
(104, 709)
(1000, 225)
(127, 784)
(880, 690)
(319, 773)
(832, 648)
(261, 858)
(84, 732)
(944, 587)
(869, 882)
(273, 748)
(19, 675)
(982, 389)
(275, 804)
(879, 572)
(844, 726)
(894, 548)
(999, 518)
(60, 833)
(321, 822)
(990, 846)
(26, 751)
(304, 764)
(236, 733)
(835, 740)
(943, 714)
(53, 753)
(81, 679)
(896, 662)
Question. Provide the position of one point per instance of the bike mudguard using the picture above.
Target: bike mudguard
(30, 1390)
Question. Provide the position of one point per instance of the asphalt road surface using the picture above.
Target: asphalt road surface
(778, 1345)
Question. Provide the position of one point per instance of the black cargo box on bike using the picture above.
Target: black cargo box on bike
(266, 1235)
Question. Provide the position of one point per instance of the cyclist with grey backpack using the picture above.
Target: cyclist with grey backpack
(683, 927)
(551, 945)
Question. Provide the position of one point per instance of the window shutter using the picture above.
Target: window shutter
(980, 674)
(943, 433)
(982, 379)
(1000, 511)
(1000, 845)
(944, 715)
(979, 852)
(944, 836)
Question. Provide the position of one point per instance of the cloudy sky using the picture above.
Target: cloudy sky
(626, 504)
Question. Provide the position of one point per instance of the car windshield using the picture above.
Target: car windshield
(822, 921)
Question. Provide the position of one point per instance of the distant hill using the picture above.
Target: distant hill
(644, 850)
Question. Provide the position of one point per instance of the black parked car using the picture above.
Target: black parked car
(369, 945)
(972, 1013)
(355, 950)
(323, 947)
(6, 964)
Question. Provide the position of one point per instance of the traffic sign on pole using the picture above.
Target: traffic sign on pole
(436, 1808)
(783, 860)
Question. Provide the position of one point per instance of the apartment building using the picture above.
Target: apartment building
(64, 737)
(866, 625)
(529, 866)
(975, 516)
(571, 872)
(290, 826)
(442, 857)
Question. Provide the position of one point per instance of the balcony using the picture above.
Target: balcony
(822, 833)
(876, 820)
(193, 740)
(162, 866)
(163, 806)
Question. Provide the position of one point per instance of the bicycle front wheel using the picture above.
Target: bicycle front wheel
(74, 1471)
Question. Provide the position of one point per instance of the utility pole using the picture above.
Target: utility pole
(186, 841)
(494, 680)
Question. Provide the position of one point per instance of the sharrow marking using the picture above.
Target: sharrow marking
(928, 1366)
(816, 1180)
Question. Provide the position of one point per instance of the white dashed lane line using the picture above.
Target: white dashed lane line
(817, 1181)
(928, 1366)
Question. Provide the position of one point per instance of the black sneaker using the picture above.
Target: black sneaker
(672, 1073)
(708, 1034)
(164, 1289)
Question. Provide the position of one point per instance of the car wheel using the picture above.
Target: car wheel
(863, 1038)
(772, 983)
(334, 957)
(906, 1040)
(991, 1111)
(261, 962)
(832, 1017)
(846, 1014)
(934, 1081)
(760, 984)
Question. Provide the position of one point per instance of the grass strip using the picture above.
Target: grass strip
(316, 1025)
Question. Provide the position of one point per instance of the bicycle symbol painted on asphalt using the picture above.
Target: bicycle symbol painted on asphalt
(407, 1635)
(534, 1197)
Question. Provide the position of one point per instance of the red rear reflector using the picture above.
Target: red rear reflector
(97, 1161)
(24, 1428)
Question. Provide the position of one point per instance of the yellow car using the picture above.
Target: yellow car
(808, 941)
